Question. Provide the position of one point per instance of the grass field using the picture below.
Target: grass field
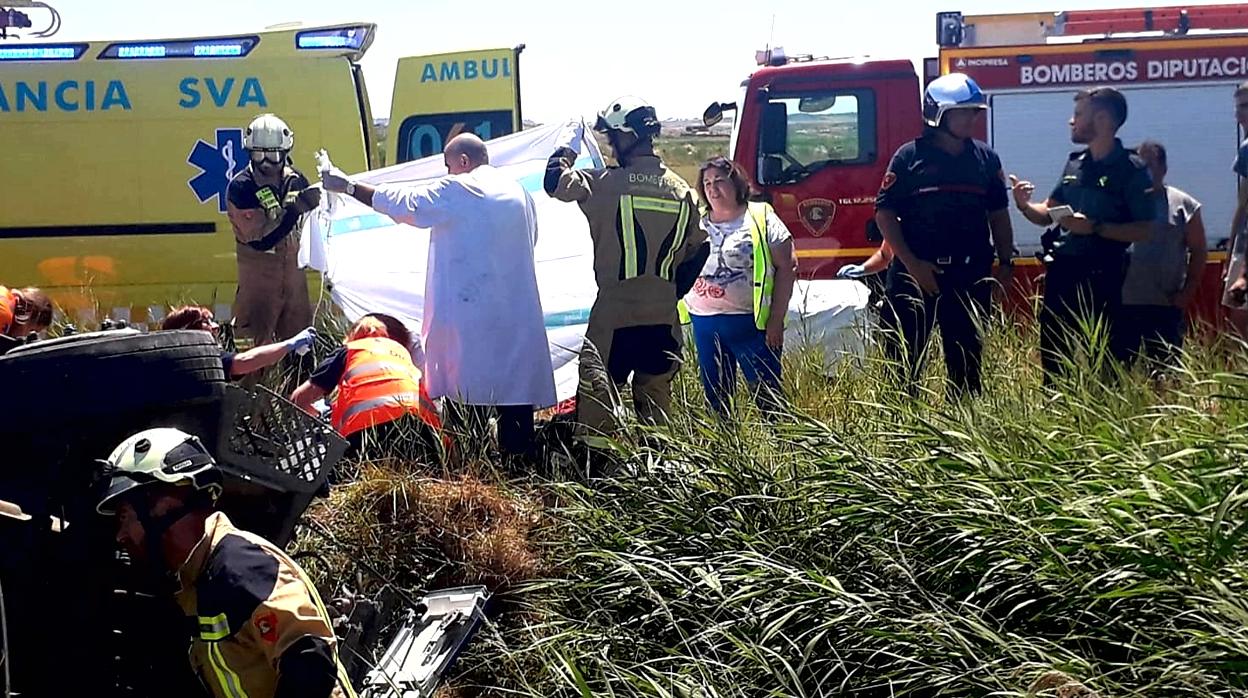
(1076, 542)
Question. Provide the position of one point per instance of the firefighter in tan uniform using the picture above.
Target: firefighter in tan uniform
(266, 203)
(644, 222)
(261, 630)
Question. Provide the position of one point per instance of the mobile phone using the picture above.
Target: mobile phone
(1057, 213)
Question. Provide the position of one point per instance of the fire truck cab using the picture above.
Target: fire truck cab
(816, 135)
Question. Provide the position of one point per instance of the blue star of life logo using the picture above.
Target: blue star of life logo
(217, 165)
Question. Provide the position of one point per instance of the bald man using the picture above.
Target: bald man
(483, 331)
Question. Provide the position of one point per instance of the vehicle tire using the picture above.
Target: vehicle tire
(112, 372)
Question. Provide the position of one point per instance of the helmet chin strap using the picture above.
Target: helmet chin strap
(154, 530)
(622, 154)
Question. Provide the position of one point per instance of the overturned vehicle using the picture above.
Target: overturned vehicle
(77, 618)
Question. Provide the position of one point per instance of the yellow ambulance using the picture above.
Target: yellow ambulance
(118, 153)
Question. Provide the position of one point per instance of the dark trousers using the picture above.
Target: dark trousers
(1080, 302)
(725, 342)
(960, 308)
(1152, 331)
(515, 424)
(406, 438)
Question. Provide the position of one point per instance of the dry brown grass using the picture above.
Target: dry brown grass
(423, 533)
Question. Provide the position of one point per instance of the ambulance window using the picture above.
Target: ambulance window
(423, 135)
(821, 128)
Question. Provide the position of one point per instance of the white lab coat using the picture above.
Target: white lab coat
(483, 331)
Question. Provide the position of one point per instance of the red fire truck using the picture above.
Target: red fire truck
(816, 135)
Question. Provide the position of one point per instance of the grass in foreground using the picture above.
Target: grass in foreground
(1025, 543)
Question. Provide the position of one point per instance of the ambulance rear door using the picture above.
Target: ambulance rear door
(441, 96)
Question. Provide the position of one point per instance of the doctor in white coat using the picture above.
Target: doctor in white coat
(483, 330)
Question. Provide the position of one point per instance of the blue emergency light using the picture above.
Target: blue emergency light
(215, 48)
(348, 37)
(46, 52)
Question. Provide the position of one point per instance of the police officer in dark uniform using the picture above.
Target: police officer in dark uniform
(1110, 193)
(943, 208)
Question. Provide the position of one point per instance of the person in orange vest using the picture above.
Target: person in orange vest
(381, 406)
(24, 311)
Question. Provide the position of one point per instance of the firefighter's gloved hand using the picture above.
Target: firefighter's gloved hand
(852, 271)
(560, 160)
(302, 342)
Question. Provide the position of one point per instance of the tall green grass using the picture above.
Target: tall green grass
(1028, 542)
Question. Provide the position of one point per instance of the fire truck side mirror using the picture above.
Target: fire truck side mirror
(715, 113)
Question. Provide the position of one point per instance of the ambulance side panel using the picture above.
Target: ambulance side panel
(116, 169)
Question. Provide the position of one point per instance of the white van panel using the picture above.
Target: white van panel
(1030, 131)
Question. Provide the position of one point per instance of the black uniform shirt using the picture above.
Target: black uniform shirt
(1117, 189)
(944, 200)
(245, 194)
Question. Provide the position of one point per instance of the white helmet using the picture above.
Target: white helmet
(155, 456)
(629, 115)
(268, 132)
(952, 91)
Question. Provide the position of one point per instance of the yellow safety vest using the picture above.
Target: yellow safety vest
(764, 269)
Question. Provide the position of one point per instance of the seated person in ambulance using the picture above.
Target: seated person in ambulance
(381, 404)
(23, 311)
(193, 317)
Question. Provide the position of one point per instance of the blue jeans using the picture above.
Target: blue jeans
(723, 343)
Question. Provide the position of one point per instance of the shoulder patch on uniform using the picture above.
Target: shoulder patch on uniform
(237, 578)
(890, 178)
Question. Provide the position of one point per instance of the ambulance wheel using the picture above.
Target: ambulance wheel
(111, 373)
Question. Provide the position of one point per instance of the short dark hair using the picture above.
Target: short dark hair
(735, 175)
(1108, 100)
(1162, 159)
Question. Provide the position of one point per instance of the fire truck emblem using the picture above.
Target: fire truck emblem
(817, 215)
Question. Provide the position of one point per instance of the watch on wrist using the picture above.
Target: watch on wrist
(350, 188)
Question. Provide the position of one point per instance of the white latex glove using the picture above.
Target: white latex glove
(302, 342)
(332, 178)
(851, 271)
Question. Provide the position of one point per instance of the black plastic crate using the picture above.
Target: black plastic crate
(266, 439)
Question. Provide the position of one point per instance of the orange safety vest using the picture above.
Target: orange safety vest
(380, 384)
(8, 307)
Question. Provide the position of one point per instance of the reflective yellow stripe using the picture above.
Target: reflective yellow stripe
(213, 628)
(231, 685)
(628, 236)
(678, 241)
(649, 203)
(836, 253)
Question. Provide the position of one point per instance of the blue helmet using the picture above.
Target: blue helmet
(952, 91)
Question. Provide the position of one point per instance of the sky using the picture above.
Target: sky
(679, 57)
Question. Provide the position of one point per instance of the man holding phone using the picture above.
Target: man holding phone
(1103, 203)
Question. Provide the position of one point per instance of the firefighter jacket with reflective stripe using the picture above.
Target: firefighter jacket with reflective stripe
(8, 306)
(644, 222)
(379, 385)
(261, 630)
(764, 268)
